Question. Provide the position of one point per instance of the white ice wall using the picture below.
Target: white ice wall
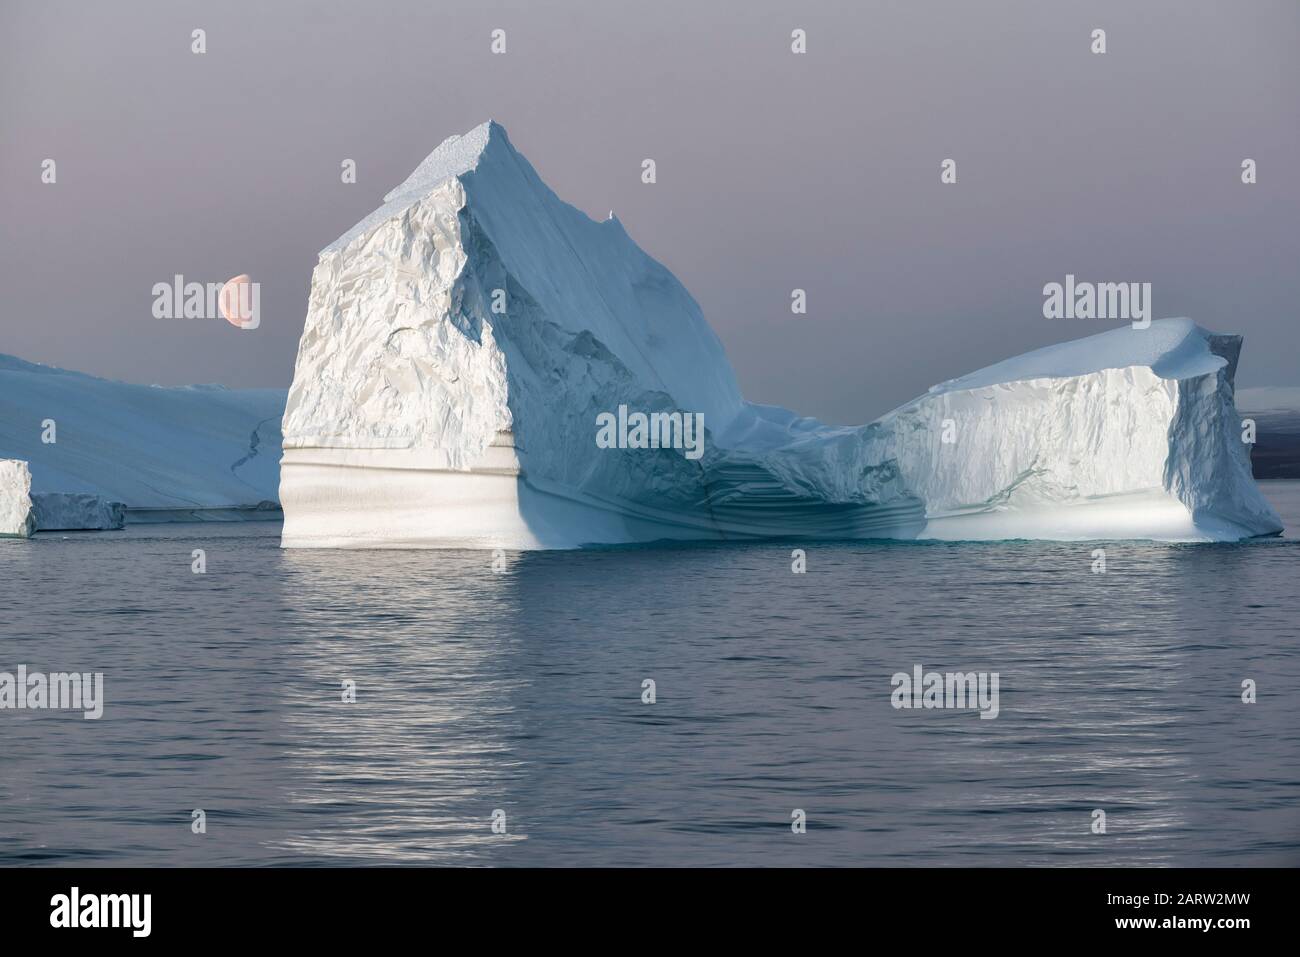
(15, 499)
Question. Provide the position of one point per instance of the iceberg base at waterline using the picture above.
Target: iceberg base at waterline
(76, 511)
(463, 342)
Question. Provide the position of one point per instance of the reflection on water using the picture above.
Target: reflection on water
(521, 691)
(418, 763)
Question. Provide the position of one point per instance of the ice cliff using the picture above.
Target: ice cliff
(16, 519)
(462, 342)
(96, 447)
(68, 511)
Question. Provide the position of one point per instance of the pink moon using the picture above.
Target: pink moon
(236, 302)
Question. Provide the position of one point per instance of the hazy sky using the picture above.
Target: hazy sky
(775, 170)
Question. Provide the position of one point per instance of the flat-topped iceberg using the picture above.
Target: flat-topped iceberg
(96, 446)
(483, 365)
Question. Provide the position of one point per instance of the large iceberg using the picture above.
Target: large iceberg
(96, 447)
(466, 343)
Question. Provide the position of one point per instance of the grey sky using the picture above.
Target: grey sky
(775, 171)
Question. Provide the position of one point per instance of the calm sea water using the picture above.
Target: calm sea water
(521, 691)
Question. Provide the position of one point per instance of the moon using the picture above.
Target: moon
(236, 300)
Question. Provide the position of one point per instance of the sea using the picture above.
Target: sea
(677, 705)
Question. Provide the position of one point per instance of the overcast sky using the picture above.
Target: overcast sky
(775, 171)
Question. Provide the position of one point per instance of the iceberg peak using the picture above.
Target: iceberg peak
(454, 157)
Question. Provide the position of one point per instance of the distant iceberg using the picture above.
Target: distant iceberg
(1276, 414)
(80, 511)
(101, 451)
(465, 342)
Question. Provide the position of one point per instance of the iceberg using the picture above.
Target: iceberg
(69, 511)
(96, 447)
(16, 520)
(482, 365)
